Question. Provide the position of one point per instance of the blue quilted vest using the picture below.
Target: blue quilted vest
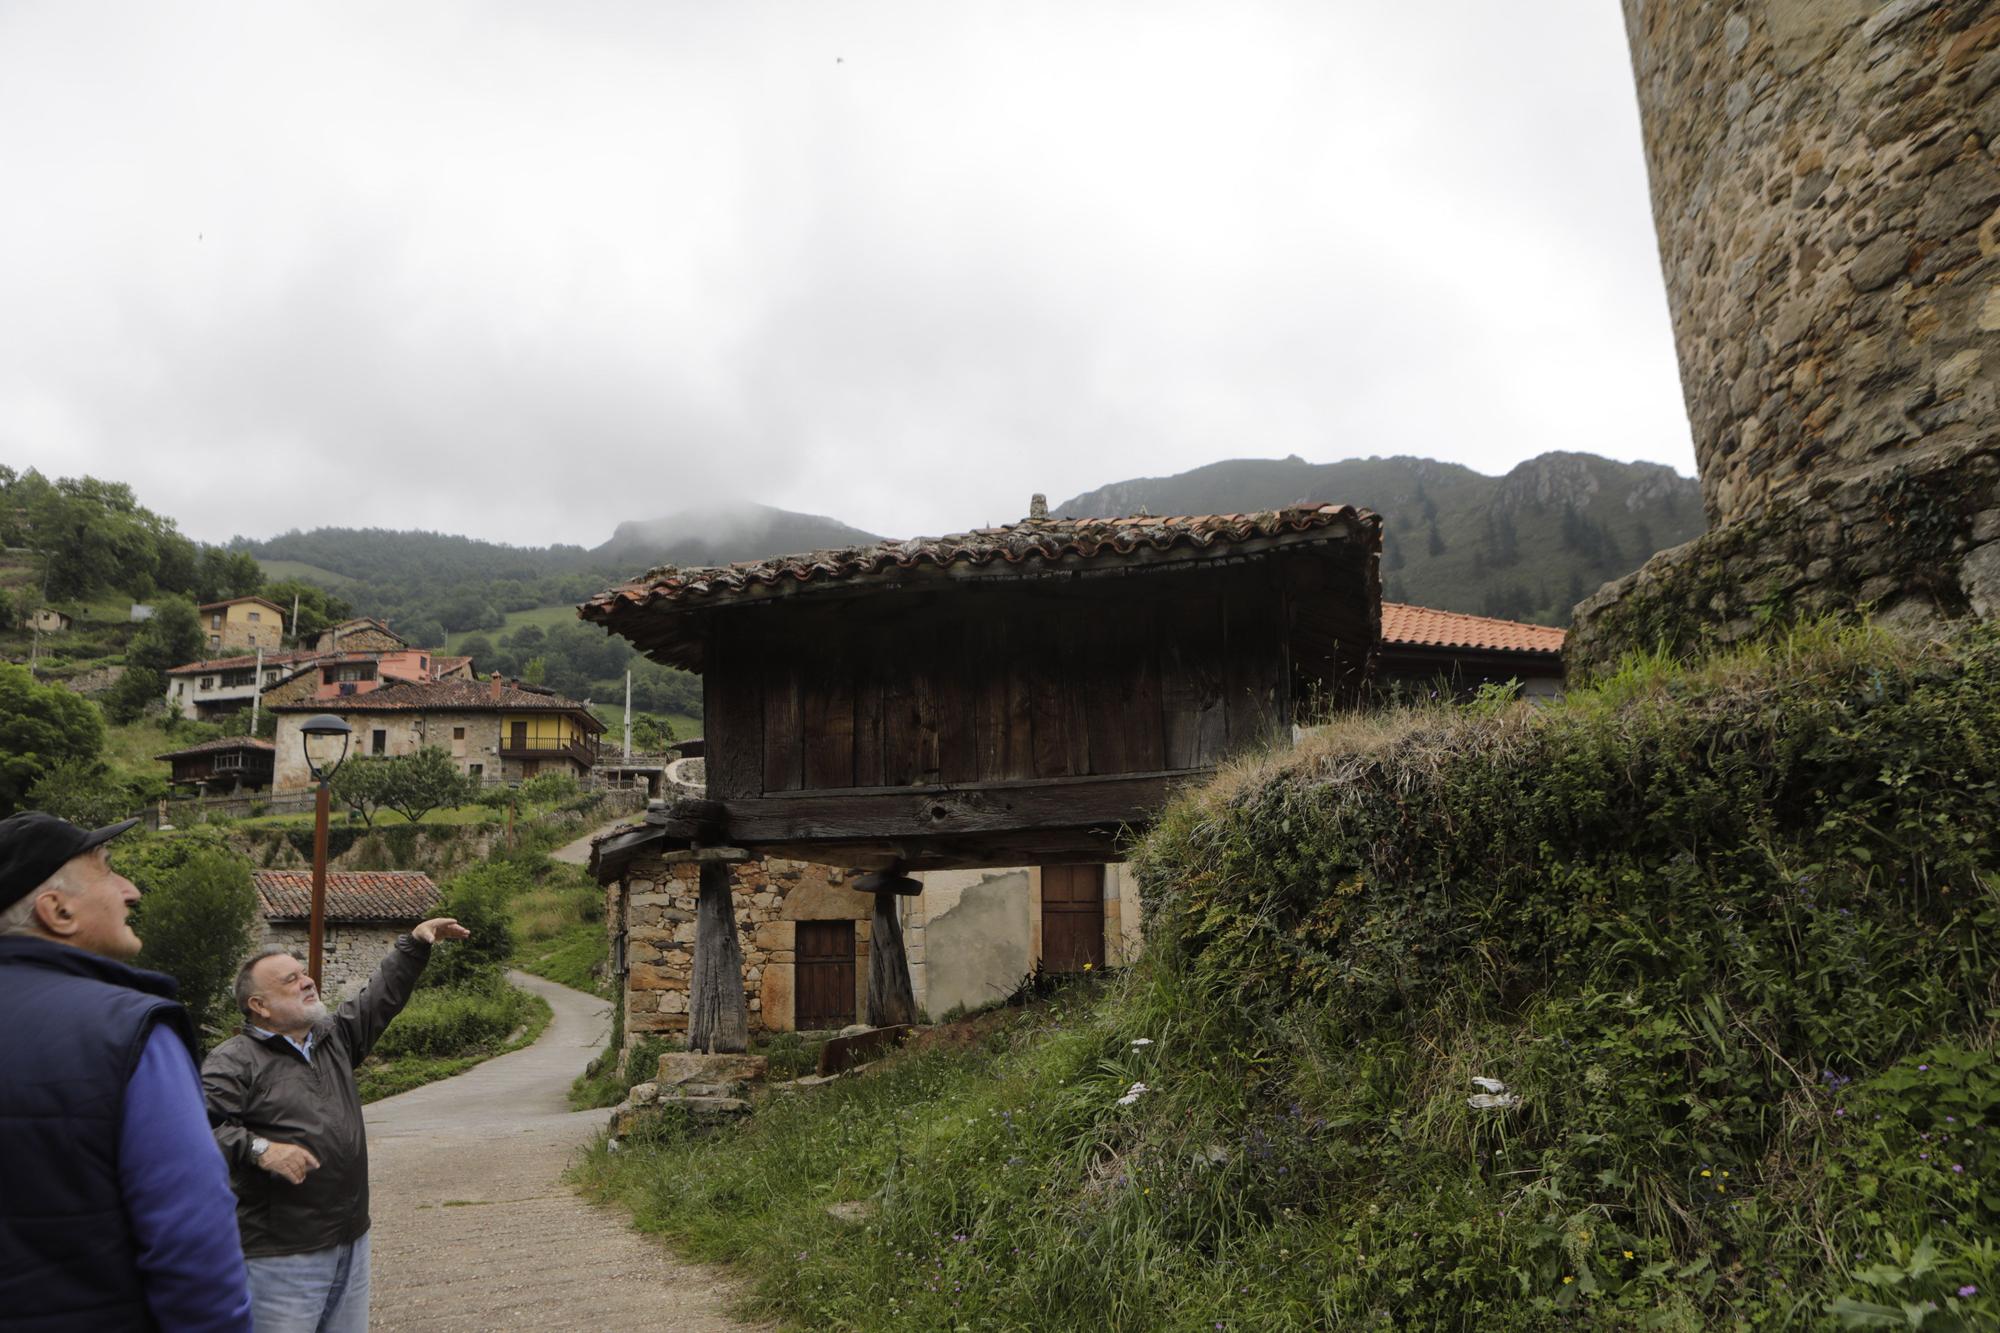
(72, 1026)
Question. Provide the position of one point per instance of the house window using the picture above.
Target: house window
(208, 682)
(229, 759)
(215, 640)
(458, 733)
(476, 770)
(255, 617)
(379, 743)
(215, 620)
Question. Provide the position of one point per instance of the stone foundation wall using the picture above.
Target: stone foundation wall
(653, 908)
(1911, 542)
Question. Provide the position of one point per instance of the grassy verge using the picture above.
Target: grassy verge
(559, 930)
(1728, 935)
(448, 1031)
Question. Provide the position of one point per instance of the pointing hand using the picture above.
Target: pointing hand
(439, 928)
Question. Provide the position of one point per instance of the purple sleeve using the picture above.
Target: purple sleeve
(177, 1195)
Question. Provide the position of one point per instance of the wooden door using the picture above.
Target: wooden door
(520, 736)
(823, 976)
(1072, 917)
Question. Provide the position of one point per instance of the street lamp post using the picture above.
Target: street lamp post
(317, 742)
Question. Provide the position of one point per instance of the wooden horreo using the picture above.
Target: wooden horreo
(1020, 695)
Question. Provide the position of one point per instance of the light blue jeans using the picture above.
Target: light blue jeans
(323, 1291)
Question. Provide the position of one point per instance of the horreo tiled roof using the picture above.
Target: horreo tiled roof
(1420, 627)
(1019, 550)
(351, 895)
(220, 743)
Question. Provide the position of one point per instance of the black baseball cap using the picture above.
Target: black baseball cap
(34, 846)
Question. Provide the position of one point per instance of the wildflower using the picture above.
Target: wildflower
(1704, 1173)
(1086, 967)
(1567, 1279)
(1142, 1041)
(1957, 1169)
(1628, 1254)
(1133, 1094)
(1923, 1069)
(1968, 1290)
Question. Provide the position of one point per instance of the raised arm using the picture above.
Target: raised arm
(362, 1019)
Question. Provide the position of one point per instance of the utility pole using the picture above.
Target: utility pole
(628, 715)
(257, 690)
(296, 643)
(35, 645)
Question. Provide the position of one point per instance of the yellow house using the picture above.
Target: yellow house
(243, 624)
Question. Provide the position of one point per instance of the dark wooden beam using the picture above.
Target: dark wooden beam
(891, 999)
(887, 881)
(931, 812)
(718, 1010)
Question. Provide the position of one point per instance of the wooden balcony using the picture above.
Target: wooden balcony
(583, 753)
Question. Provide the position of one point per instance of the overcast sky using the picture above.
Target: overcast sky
(521, 270)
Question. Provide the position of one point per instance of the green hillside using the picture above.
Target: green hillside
(1527, 546)
(275, 570)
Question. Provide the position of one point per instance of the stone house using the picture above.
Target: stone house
(363, 634)
(224, 766)
(243, 624)
(48, 620)
(494, 730)
(365, 911)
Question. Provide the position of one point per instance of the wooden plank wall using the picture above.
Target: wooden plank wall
(986, 684)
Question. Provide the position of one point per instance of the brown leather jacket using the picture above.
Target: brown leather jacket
(263, 1088)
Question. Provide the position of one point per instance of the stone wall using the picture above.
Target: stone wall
(349, 954)
(403, 733)
(1827, 195)
(653, 908)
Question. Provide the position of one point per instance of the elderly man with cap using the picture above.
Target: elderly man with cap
(115, 1208)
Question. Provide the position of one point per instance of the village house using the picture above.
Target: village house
(1453, 654)
(222, 767)
(494, 730)
(243, 624)
(365, 911)
(48, 620)
(363, 634)
(220, 686)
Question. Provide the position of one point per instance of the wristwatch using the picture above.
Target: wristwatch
(257, 1146)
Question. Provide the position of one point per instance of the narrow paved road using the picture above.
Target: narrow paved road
(473, 1225)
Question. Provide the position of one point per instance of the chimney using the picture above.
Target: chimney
(1038, 507)
(493, 690)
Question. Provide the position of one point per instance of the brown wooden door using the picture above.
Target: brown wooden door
(520, 736)
(1072, 917)
(823, 977)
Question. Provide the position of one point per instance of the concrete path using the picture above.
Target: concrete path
(578, 853)
(473, 1225)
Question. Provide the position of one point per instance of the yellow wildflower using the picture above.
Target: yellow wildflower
(1567, 1279)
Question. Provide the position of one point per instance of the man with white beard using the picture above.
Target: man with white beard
(287, 1116)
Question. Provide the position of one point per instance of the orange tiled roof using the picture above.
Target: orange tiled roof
(246, 660)
(351, 895)
(1019, 549)
(1420, 626)
(464, 696)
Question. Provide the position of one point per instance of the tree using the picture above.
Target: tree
(40, 727)
(194, 917)
(652, 733)
(419, 783)
(83, 791)
(171, 638)
(422, 632)
(137, 690)
(359, 784)
(479, 899)
(480, 649)
(1435, 543)
(220, 574)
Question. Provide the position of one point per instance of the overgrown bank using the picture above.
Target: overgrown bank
(1727, 932)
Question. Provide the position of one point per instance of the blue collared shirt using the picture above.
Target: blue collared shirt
(304, 1048)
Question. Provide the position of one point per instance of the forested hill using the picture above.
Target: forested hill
(1525, 546)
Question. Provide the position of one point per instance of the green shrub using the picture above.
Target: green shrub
(454, 1020)
(479, 898)
(549, 788)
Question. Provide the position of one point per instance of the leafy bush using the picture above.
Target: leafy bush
(41, 726)
(549, 788)
(455, 1020)
(83, 791)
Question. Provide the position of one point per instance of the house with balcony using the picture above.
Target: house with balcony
(494, 730)
(243, 624)
(222, 767)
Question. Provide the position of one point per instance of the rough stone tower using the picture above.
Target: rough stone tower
(1826, 187)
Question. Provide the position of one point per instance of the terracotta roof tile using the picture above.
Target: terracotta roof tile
(238, 601)
(464, 696)
(219, 743)
(1021, 549)
(351, 895)
(247, 660)
(1420, 626)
